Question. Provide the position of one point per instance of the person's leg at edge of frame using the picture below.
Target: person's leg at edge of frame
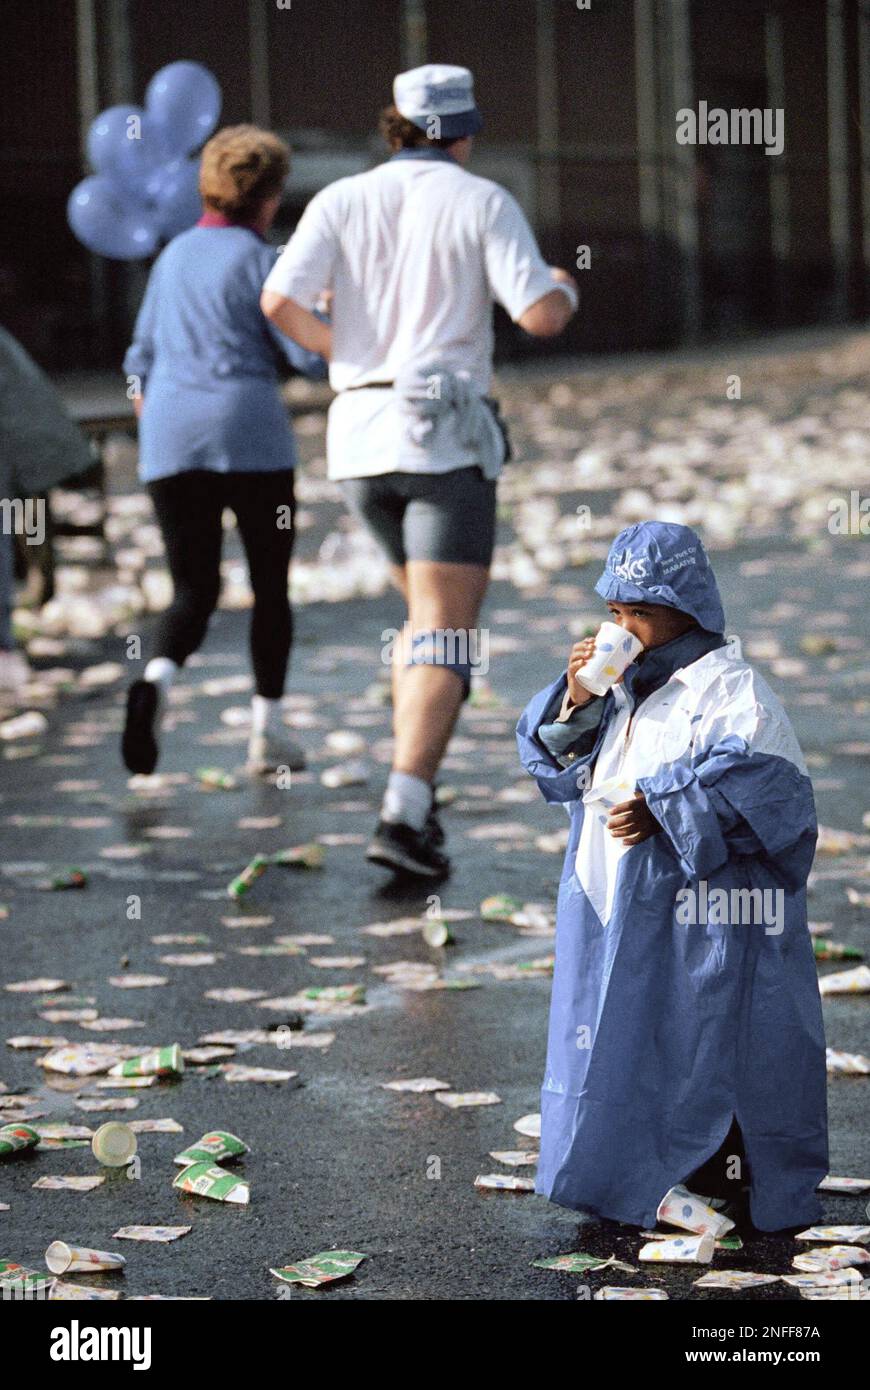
(189, 508)
(265, 508)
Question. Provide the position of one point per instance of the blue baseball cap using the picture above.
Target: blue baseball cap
(439, 98)
(660, 562)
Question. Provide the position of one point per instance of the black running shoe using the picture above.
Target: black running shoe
(406, 850)
(433, 828)
(139, 741)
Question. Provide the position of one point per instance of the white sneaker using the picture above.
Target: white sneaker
(15, 671)
(268, 752)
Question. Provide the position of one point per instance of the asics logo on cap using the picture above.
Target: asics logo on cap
(630, 568)
(434, 96)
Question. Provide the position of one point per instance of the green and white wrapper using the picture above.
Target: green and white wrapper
(215, 1147)
(14, 1138)
(205, 1180)
(160, 1061)
(244, 881)
(323, 1268)
(19, 1277)
(336, 994)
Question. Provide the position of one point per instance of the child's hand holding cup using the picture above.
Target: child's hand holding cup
(596, 663)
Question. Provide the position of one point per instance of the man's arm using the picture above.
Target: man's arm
(297, 323)
(553, 311)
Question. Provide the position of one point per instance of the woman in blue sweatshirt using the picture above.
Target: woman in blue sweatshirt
(214, 433)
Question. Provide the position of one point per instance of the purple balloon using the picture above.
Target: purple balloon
(184, 101)
(106, 220)
(176, 196)
(124, 143)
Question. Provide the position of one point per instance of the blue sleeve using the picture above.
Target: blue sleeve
(557, 782)
(732, 801)
(140, 354)
(571, 738)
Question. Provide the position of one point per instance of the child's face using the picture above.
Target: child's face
(653, 624)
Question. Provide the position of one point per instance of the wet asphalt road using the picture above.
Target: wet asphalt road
(336, 1161)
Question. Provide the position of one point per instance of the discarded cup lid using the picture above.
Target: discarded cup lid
(114, 1144)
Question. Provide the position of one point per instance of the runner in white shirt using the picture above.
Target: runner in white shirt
(414, 252)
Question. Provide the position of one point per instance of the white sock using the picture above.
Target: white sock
(265, 714)
(407, 799)
(162, 671)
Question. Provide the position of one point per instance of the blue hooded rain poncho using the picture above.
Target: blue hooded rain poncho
(685, 991)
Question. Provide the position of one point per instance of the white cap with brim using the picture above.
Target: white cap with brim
(439, 99)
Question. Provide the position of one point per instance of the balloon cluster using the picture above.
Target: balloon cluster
(146, 185)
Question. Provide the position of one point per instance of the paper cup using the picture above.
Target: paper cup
(114, 1144)
(62, 1258)
(436, 933)
(614, 650)
(679, 1250)
(685, 1209)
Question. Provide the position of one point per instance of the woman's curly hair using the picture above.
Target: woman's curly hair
(242, 166)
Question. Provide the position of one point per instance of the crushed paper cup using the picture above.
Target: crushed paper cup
(160, 1061)
(61, 1291)
(62, 1259)
(829, 1278)
(159, 1234)
(204, 1180)
(14, 1138)
(500, 907)
(835, 1184)
(613, 1294)
(299, 857)
(218, 1146)
(846, 1234)
(615, 649)
(846, 1063)
(416, 1084)
(78, 1059)
(503, 1182)
(324, 1268)
(828, 1257)
(679, 1249)
(114, 1144)
(528, 1125)
(733, 1279)
(458, 1100)
(16, 1276)
(855, 981)
(685, 1209)
(577, 1262)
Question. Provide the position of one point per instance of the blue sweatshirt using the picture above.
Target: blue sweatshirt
(207, 359)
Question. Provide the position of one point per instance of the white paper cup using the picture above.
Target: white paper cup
(114, 1144)
(62, 1258)
(679, 1250)
(689, 1212)
(614, 650)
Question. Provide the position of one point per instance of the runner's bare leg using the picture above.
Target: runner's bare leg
(427, 699)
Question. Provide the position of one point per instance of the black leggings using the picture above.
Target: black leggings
(189, 509)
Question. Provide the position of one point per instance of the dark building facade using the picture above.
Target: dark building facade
(685, 241)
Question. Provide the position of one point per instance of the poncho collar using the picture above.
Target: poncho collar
(655, 667)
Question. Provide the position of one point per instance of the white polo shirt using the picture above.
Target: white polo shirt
(415, 251)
